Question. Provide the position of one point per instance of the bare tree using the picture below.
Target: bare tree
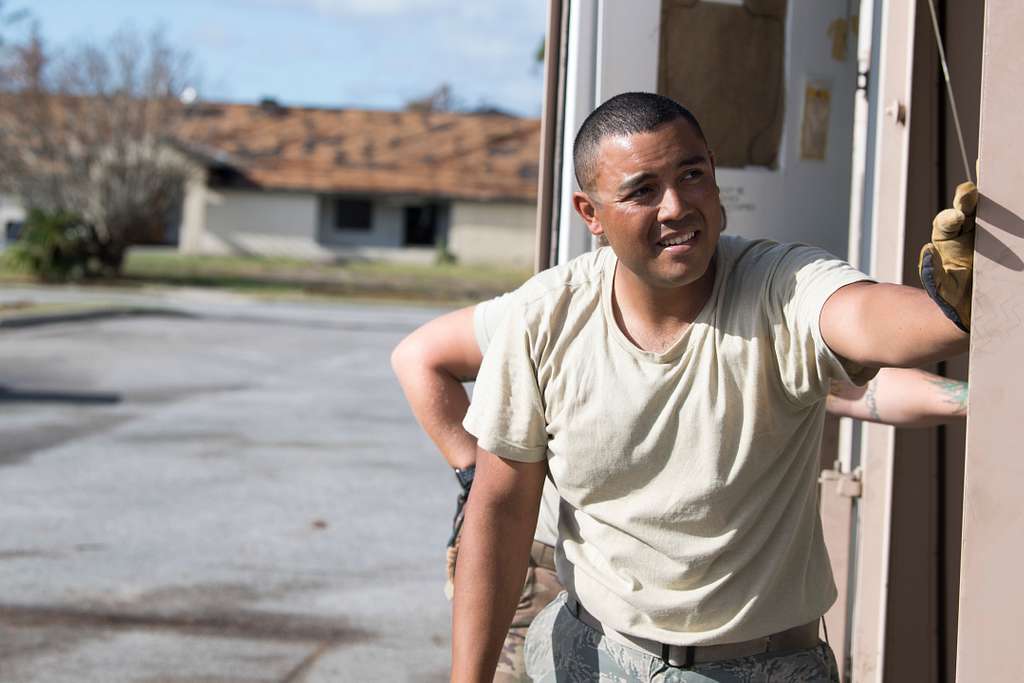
(85, 131)
(9, 17)
(439, 99)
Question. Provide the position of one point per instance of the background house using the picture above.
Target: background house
(348, 183)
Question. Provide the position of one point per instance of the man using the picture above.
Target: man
(433, 361)
(673, 386)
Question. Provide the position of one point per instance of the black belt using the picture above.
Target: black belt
(685, 656)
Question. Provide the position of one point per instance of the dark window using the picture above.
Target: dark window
(353, 214)
(13, 230)
(421, 225)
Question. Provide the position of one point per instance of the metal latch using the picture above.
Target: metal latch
(847, 484)
(897, 111)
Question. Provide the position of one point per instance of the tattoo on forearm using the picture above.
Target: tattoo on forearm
(954, 392)
(871, 402)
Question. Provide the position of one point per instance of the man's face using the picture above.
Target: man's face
(655, 200)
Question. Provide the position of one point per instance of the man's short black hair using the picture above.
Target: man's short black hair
(625, 114)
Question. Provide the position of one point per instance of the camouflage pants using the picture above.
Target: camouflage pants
(539, 589)
(562, 649)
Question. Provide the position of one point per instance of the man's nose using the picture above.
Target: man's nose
(673, 207)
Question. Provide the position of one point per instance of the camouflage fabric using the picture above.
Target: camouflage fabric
(562, 649)
(539, 589)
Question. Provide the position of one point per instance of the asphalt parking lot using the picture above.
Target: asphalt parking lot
(212, 490)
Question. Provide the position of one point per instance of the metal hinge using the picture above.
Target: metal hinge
(863, 80)
(847, 484)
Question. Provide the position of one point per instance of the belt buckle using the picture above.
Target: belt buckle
(669, 652)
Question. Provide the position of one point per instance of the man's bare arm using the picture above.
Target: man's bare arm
(431, 365)
(886, 325)
(500, 519)
(432, 362)
(902, 398)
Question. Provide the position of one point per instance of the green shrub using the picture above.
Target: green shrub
(442, 256)
(54, 246)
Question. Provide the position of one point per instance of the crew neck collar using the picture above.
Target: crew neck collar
(677, 348)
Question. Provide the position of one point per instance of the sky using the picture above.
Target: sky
(353, 53)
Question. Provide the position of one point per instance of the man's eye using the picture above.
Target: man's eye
(639, 193)
(693, 174)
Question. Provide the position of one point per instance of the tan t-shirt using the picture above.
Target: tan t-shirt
(688, 477)
(487, 317)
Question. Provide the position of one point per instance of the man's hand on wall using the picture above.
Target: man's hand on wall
(946, 265)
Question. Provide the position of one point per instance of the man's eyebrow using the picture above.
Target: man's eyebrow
(638, 179)
(692, 161)
(635, 180)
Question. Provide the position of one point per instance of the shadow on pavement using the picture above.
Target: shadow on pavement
(10, 395)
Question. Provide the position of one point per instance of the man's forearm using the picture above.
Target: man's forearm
(431, 364)
(901, 398)
(500, 518)
(439, 402)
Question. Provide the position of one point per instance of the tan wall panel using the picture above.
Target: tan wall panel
(870, 643)
(911, 610)
(990, 594)
(836, 512)
(963, 31)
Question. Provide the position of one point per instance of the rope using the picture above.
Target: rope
(949, 90)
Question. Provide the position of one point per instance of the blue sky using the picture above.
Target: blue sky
(359, 53)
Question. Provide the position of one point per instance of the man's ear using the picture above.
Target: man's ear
(587, 209)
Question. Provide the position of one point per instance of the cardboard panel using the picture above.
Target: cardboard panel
(726, 64)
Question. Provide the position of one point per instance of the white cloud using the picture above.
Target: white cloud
(348, 8)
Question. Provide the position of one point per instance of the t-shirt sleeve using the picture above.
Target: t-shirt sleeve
(801, 282)
(487, 317)
(507, 414)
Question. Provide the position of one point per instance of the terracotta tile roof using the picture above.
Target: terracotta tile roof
(470, 156)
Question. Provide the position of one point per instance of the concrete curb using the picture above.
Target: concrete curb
(33, 320)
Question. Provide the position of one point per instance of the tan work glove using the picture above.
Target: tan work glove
(946, 265)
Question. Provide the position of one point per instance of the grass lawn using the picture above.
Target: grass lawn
(282, 277)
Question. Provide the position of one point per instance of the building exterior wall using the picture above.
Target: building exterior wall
(493, 232)
(302, 225)
(193, 213)
(222, 221)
